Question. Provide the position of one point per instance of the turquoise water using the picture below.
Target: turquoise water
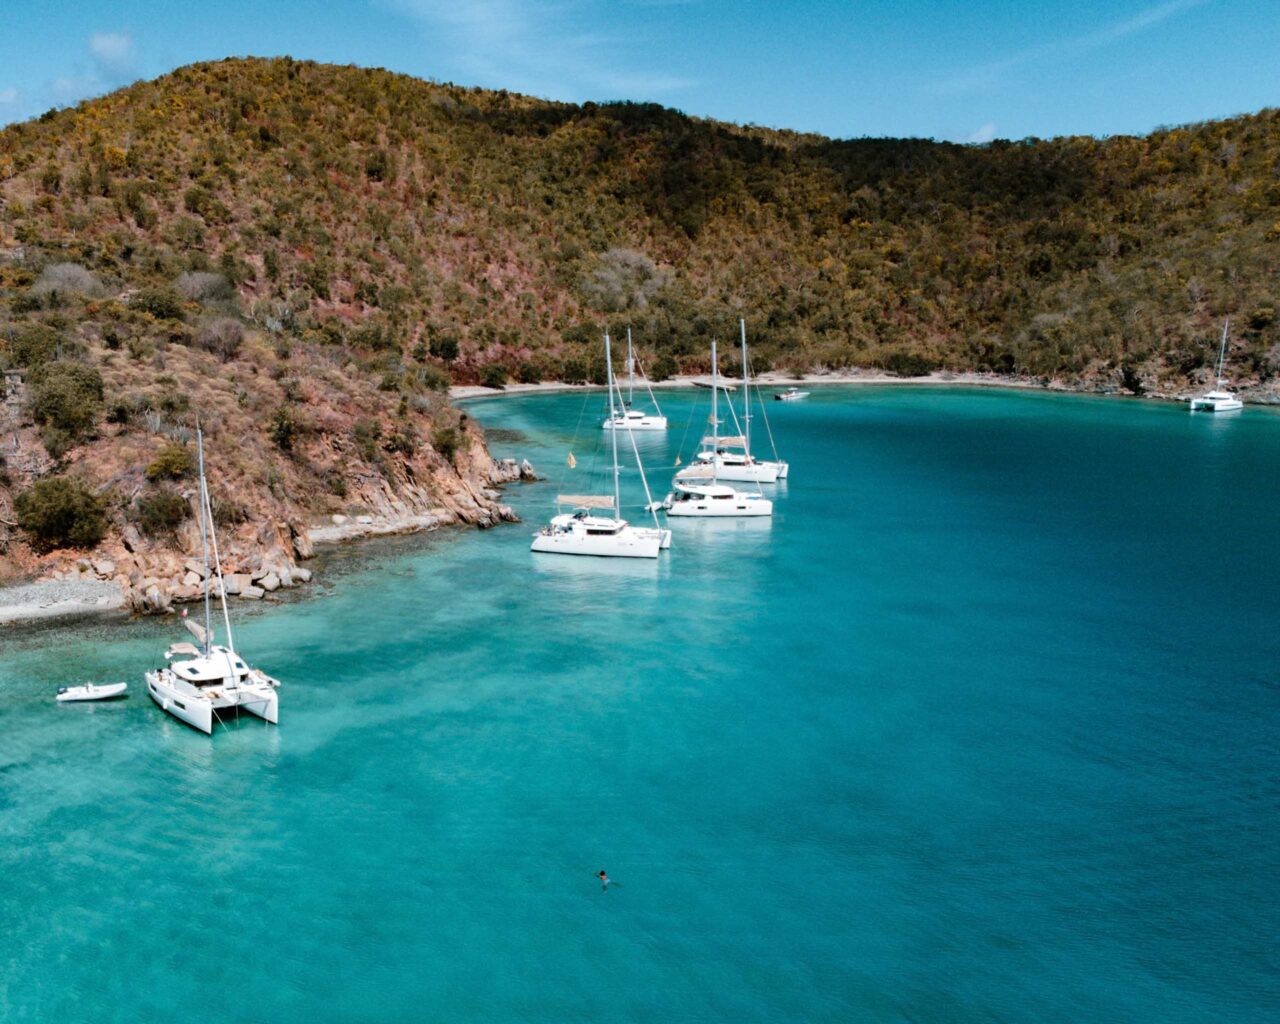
(982, 727)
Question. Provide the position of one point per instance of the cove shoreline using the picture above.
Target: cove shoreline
(942, 378)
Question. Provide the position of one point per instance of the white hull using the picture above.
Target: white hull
(201, 708)
(709, 508)
(1216, 404)
(736, 472)
(629, 542)
(91, 691)
(636, 423)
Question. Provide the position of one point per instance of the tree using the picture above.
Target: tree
(444, 347)
(60, 512)
(65, 399)
(161, 303)
(161, 511)
(623, 279)
(493, 375)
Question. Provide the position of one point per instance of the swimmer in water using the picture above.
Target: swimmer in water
(604, 881)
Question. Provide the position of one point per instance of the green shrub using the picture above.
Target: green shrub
(173, 463)
(444, 347)
(159, 512)
(66, 397)
(32, 345)
(493, 375)
(573, 370)
(61, 512)
(663, 368)
(161, 303)
(447, 441)
(284, 429)
(902, 363)
(528, 373)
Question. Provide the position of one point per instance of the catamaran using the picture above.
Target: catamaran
(204, 683)
(730, 458)
(712, 498)
(583, 531)
(1219, 399)
(629, 417)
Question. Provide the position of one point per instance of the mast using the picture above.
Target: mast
(746, 394)
(613, 434)
(715, 415)
(206, 523)
(1222, 351)
(631, 372)
(204, 541)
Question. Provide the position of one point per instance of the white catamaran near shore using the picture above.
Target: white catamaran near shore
(629, 417)
(1219, 399)
(583, 531)
(204, 684)
(730, 458)
(712, 499)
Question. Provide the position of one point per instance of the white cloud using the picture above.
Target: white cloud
(988, 75)
(113, 54)
(984, 134)
(539, 47)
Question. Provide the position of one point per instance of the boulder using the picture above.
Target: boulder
(105, 568)
(237, 582)
(192, 579)
(131, 538)
(301, 537)
(526, 471)
(270, 582)
(286, 576)
(252, 593)
(186, 593)
(338, 520)
(301, 575)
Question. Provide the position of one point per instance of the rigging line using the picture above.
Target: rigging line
(687, 424)
(648, 496)
(768, 429)
(647, 386)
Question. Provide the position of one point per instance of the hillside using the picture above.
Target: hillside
(306, 255)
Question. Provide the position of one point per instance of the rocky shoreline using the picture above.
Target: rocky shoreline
(153, 583)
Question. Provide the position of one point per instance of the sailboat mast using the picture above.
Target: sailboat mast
(715, 414)
(204, 541)
(746, 393)
(613, 434)
(631, 373)
(1222, 350)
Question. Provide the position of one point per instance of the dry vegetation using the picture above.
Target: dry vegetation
(306, 255)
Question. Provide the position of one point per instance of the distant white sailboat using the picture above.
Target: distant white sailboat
(730, 458)
(628, 417)
(584, 532)
(1219, 399)
(712, 498)
(203, 684)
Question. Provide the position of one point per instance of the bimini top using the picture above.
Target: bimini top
(708, 490)
(585, 500)
(726, 442)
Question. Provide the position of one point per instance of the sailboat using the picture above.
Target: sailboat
(730, 458)
(1219, 399)
(586, 530)
(629, 417)
(698, 498)
(204, 682)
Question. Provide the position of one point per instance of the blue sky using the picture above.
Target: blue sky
(949, 70)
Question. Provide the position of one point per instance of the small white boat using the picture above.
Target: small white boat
(790, 395)
(1219, 399)
(92, 691)
(629, 418)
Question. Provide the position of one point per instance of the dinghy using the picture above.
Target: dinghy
(92, 691)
